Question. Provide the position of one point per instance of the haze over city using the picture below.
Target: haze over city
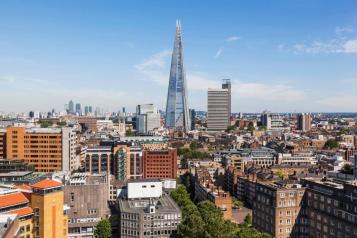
(283, 56)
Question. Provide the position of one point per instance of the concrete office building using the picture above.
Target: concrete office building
(145, 211)
(147, 118)
(78, 109)
(71, 107)
(87, 195)
(265, 119)
(219, 107)
(47, 149)
(304, 122)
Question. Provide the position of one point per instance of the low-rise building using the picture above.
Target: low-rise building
(205, 189)
(87, 195)
(146, 211)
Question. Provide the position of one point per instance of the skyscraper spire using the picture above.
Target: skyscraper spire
(177, 106)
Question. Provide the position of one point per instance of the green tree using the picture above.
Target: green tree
(331, 144)
(281, 174)
(251, 126)
(248, 220)
(45, 124)
(103, 229)
(237, 203)
(231, 128)
(347, 169)
(129, 132)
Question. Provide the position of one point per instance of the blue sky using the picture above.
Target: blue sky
(283, 56)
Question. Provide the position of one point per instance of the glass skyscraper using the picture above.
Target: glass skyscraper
(177, 116)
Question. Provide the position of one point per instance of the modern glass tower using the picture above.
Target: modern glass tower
(177, 116)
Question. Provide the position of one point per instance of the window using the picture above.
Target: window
(27, 228)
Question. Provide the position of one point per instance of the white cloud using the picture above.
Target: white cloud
(344, 29)
(219, 52)
(232, 38)
(154, 68)
(335, 46)
(340, 102)
(350, 46)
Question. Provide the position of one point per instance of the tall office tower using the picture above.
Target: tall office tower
(304, 122)
(90, 109)
(47, 149)
(47, 202)
(227, 85)
(265, 119)
(177, 106)
(71, 107)
(86, 110)
(147, 118)
(123, 109)
(192, 119)
(219, 108)
(78, 108)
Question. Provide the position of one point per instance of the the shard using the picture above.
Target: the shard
(177, 115)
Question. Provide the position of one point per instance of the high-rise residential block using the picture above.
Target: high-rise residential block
(219, 107)
(47, 149)
(177, 105)
(304, 122)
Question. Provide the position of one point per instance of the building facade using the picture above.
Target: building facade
(47, 149)
(276, 208)
(87, 197)
(304, 122)
(148, 212)
(219, 107)
(160, 163)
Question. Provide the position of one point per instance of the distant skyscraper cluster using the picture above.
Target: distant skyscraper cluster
(76, 109)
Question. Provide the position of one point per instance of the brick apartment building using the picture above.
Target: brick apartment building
(159, 163)
(276, 208)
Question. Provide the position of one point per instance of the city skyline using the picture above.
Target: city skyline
(96, 54)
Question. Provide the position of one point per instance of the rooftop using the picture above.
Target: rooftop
(12, 199)
(21, 212)
(162, 204)
(46, 184)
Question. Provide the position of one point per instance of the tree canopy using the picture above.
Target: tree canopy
(205, 220)
(331, 144)
(103, 229)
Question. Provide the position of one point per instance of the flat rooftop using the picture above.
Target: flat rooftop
(164, 204)
(15, 173)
